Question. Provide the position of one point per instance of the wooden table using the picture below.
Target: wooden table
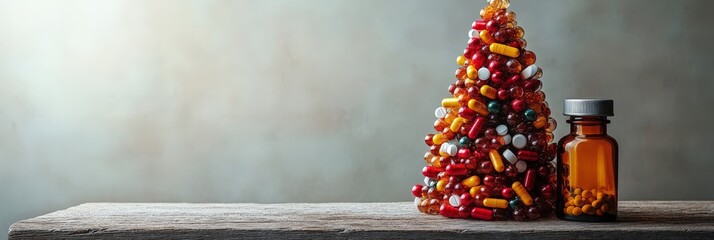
(637, 220)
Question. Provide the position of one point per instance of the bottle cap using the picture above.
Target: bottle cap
(588, 107)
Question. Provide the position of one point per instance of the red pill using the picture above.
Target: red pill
(518, 105)
(417, 190)
(482, 213)
(507, 193)
(429, 139)
(476, 128)
(431, 171)
(503, 94)
(456, 170)
(467, 113)
(464, 153)
(479, 25)
(477, 60)
(498, 77)
(527, 155)
(434, 149)
(529, 180)
(474, 43)
(513, 80)
(494, 66)
(492, 26)
(469, 52)
(466, 199)
(449, 211)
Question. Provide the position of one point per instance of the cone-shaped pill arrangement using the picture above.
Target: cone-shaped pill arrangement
(491, 156)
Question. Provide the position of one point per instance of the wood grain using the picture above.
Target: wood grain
(649, 219)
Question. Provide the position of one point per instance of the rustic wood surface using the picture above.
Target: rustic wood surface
(636, 220)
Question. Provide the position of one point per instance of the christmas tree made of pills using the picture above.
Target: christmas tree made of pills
(491, 156)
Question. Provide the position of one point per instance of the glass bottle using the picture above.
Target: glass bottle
(587, 163)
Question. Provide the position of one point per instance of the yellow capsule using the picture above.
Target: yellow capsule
(439, 138)
(479, 107)
(469, 82)
(488, 91)
(456, 124)
(471, 181)
(486, 37)
(495, 203)
(475, 191)
(449, 118)
(522, 193)
(461, 60)
(450, 103)
(496, 160)
(471, 72)
(504, 50)
(440, 185)
(436, 161)
(540, 122)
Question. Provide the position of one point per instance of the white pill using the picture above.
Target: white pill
(417, 201)
(502, 130)
(451, 150)
(484, 73)
(529, 72)
(506, 139)
(521, 166)
(444, 146)
(473, 33)
(426, 181)
(510, 156)
(519, 141)
(440, 112)
(455, 200)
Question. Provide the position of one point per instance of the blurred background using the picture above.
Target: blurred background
(317, 101)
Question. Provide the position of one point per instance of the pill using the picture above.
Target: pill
(504, 50)
(482, 213)
(455, 200)
(478, 106)
(452, 150)
(440, 112)
(464, 153)
(473, 33)
(494, 107)
(441, 185)
(522, 193)
(479, 24)
(483, 73)
(501, 130)
(527, 155)
(467, 113)
(486, 37)
(529, 115)
(540, 122)
(518, 141)
(510, 156)
(456, 124)
(529, 179)
(475, 128)
(456, 170)
(496, 160)
(488, 91)
(450, 103)
(449, 211)
(495, 203)
(471, 72)
(529, 72)
(507, 139)
(431, 171)
(521, 166)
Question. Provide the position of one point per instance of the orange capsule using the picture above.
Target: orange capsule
(488, 91)
(478, 106)
(496, 160)
(522, 193)
(486, 37)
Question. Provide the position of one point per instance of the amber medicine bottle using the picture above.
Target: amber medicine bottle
(587, 163)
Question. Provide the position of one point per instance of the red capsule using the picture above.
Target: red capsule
(469, 52)
(498, 77)
(494, 66)
(507, 193)
(482, 213)
(429, 139)
(431, 171)
(434, 149)
(417, 190)
(513, 80)
(474, 43)
(466, 199)
(479, 25)
(477, 60)
(529, 180)
(518, 105)
(492, 26)
(503, 94)
(476, 128)
(456, 170)
(464, 153)
(449, 211)
(467, 113)
(527, 155)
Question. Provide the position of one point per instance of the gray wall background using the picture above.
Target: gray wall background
(317, 101)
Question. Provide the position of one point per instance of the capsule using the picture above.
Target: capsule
(471, 182)
(527, 155)
(467, 113)
(456, 170)
(504, 50)
(495, 203)
(529, 72)
(464, 153)
(478, 106)
(488, 91)
(522, 193)
(475, 128)
(482, 213)
(529, 180)
(456, 124)
(431, 171)
(449, 211)
(486, 37)
(540, 122)
(479, 25)
(438, 139)
(450, 103)
(496, 160)
(471, 72)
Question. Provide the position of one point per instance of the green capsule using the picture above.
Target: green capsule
(494, 107)
(465, 141)
(515, 203)
(530, 115)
